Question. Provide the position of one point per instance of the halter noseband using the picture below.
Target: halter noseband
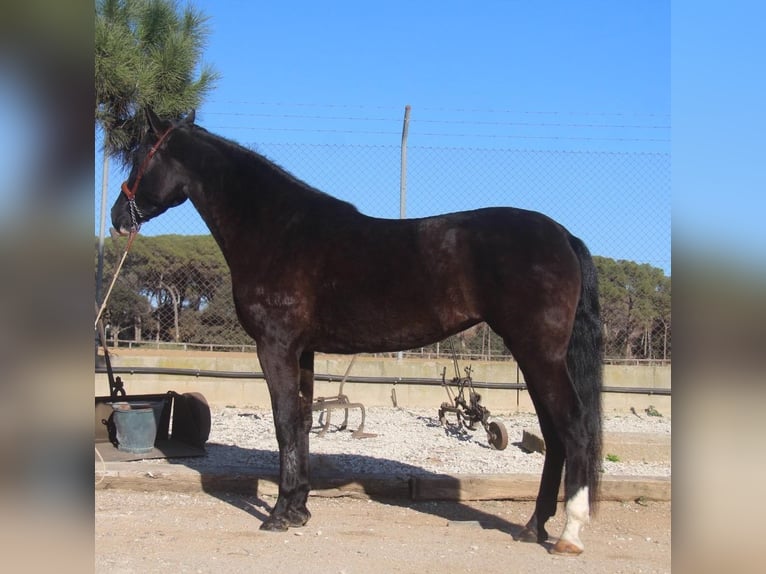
(130, 192)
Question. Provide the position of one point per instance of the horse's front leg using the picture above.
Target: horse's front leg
(290, 384)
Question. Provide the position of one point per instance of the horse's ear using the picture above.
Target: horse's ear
(155, 123)
(189, 119)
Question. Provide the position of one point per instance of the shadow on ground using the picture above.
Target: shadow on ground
(250, 482)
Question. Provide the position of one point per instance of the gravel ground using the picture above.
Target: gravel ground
(405, 441)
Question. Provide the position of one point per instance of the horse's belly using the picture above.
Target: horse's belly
(386, 328)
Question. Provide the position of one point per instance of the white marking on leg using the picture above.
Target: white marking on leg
(578, 514)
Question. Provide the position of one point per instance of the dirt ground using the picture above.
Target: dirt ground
(175, 532)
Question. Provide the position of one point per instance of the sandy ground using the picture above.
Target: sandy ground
(175, 532)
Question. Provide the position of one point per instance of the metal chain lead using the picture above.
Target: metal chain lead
(135, 214)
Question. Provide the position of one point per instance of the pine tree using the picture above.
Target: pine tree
(147, 55)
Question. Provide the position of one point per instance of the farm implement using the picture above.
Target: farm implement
(469, 411)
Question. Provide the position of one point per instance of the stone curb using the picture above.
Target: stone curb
(648, 447)
(178, 478)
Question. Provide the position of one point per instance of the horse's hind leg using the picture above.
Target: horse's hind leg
(291, 385)
(562, 422)
(547, 497)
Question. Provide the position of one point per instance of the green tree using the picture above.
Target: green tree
(635, 306)
(216, 322)
(181, 290)
(127, 309)
(662, 305)
(147, 55)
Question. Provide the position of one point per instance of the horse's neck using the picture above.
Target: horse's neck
(238, 199)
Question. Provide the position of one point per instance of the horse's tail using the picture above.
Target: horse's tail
(585, 362)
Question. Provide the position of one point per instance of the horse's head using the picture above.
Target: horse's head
(157, 180)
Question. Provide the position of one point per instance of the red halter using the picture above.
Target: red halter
(130, 193)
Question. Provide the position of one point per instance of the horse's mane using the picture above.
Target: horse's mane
(266, 167)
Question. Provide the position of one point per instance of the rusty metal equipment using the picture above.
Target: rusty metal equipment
(469, 412)
(325, 405)
(182, 420)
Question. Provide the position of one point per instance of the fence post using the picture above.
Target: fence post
(403, 177)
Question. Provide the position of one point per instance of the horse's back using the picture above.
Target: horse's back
(498, 245)
(423, 279)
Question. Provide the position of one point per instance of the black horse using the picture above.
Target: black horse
(311, 274)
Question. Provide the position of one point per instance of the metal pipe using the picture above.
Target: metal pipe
(355, 379)
(102, 227)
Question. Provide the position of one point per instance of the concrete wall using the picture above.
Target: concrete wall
(253, 392)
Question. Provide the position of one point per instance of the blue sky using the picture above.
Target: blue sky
(571, 80)
(565, 63)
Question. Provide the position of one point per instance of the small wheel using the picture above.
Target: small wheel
(497, 435)
(442, 418)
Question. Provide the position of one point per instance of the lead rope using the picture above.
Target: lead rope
(116, 274)
(135, 213)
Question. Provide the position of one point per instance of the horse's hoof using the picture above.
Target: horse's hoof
(533, 535)
(527, 535)
(565, 548)
(274, 524)
(297, 517)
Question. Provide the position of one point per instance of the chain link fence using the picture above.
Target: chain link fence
(175, 289)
